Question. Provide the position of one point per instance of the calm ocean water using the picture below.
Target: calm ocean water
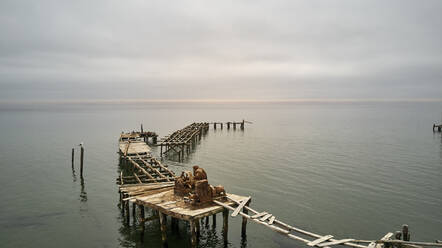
(354, 170)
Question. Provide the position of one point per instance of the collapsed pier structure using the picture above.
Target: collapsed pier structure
(149, 184)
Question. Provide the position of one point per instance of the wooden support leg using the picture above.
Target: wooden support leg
(214, 220)
(143, 226)
(127, 212)
(405, 233)
(225, 225)
(163, 226)
(192, 233)
(73, 157)
(122, 202)
(81, 161)
(197, 225)
(134, 209)
(207, 222)
(244, 222)
(142, 214)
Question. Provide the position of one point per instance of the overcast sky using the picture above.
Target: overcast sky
(263, 50)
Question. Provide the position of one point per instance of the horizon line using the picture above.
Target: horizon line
(293, 100)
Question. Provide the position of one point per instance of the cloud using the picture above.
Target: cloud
(202, 49)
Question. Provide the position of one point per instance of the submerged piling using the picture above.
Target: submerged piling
(81, 161)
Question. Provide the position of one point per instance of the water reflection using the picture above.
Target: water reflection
(83, 194)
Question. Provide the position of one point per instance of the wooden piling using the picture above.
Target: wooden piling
(244, 221)
(163, 227)
(405, 233)
(214, 220)
(127, 212)
(207, 221)
(228, 125)
(81, 161)
(192, 233)
(134, 209)
(142, 128)
(198, 229)
(214, 125)
(225, 225)
(73, 157)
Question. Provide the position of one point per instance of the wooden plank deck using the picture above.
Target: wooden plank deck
(160, 196)
(135, 147)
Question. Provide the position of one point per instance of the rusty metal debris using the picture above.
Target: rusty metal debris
(196, 189)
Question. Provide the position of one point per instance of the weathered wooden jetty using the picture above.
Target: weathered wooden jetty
(229, 124)
(148, 184)
(144, 167)
(182, 141)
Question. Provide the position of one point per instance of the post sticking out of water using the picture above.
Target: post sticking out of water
(81, 160)
(405, 233)
(73, 157)
(141, 127)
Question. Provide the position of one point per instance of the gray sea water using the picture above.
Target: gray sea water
(353, 170)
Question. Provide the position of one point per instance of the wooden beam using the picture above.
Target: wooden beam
(319, 240)
(240, 206)
(336, 242)
(259, 215)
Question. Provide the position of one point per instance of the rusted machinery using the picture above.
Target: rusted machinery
(196, 189)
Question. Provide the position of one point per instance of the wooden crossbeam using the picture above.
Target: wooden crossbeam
(319, 240)
(152, 168)
(138, 179)
(336, 242)
(259, 215)
(265, 217)
(272, 219)
(141, 169)
(240, 206)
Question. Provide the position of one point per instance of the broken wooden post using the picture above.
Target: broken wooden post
(81, 161)
(127, 212)
(163, 227)
(192, 233)
(154, 140)
(73, 158)
(228, 125)
(214, 125)
(142, 128)
(242, 125)
(198, 229)
(244, 221)
(405, 233)
(225, 224)
(221, 125)
(234, 125)
(134, 209)
(214, 220)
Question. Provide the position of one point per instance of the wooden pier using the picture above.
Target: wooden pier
(181, 142)
(160, 197)
(146, 183)
(229, 124)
